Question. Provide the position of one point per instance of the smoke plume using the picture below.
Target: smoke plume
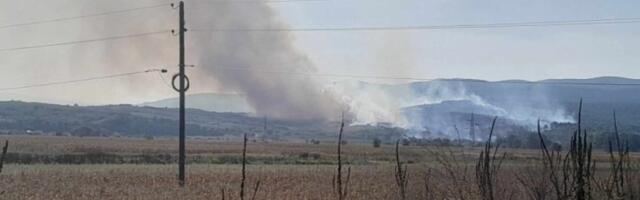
(247, 62)
(250, 63)
(241, 62)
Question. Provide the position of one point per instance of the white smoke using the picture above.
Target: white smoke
(375, 104)
(372, 104)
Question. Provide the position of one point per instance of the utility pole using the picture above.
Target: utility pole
(182, 91)
(265, 128)
(182, 88)
(472, 129)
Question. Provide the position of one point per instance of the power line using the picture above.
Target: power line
(61, 19)
(160, 71)
(81, 80)
(84, 41)
(258, 1)
(320, 74)
(82, 16)
(602, 21)
(356, 76)
(164, 81)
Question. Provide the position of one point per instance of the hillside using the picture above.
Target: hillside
(557, 90)
(518, 105)
(500, 93)
(209, 102)
(127, 120)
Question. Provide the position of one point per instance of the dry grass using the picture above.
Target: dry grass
(450, 172)
(159, 182)
(77, 145)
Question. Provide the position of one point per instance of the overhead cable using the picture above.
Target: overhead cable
(84, 41)
(53, 20)
(81, 80)
(434, 27)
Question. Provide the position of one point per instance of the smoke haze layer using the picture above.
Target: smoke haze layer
(241, 62)
(245, 63)
(443, 108)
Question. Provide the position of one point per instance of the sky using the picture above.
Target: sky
(532, 53)
(491, 54)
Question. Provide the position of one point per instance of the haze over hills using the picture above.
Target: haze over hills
(429, 109)
(552, 101)
(208, 101)
(421, 106)
(557, 90)
(415, 106)
(560, 90)
(128, 120)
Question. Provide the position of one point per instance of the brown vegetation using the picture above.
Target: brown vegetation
(579, 172)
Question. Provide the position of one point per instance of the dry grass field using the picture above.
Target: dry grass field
(204, 182)
(286, 170)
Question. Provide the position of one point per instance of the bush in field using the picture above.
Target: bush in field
(148, 137)
(377, 142)
(406, 142)
(4, 153)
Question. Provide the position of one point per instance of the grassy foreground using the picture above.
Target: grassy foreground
(285, 170)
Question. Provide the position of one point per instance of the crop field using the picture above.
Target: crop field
(42, 167)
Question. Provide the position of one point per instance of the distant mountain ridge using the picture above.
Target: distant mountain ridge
(439, 104)
(128, 120)
(233, 114)
(213, 102)
(602, 79)
(588, 89)
(238, 103)
(599, 79)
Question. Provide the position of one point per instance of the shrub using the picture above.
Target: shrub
(376, 143)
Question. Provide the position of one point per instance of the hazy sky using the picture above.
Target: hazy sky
(494, 54)
(532, 53)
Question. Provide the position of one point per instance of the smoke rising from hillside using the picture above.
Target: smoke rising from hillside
(241, 62)
(231, 62)
(443, 108)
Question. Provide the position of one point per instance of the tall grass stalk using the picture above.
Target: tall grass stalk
(4, 154)
(244, 163)
(579, 162)
(340, 188)
(488, 166)
(401, 174)
(615, 186)
(572, 175)
(255, 190)
(427, 188)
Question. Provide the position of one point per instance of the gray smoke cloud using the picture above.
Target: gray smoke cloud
(246, 61)
(225, 61)
(90, 59)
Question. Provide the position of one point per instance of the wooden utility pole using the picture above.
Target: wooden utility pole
(182, 89)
